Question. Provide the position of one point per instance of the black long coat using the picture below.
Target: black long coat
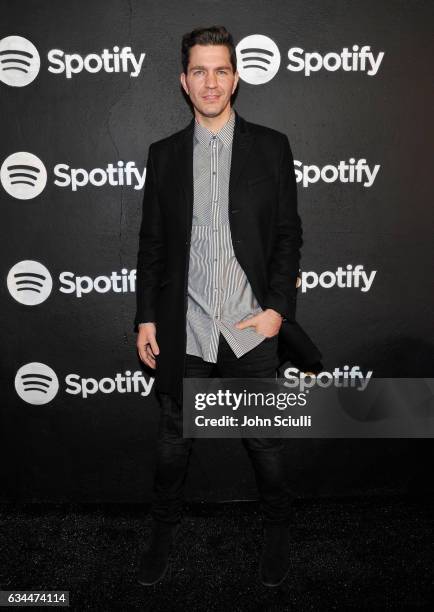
(266, 235)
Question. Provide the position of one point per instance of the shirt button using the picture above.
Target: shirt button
(213, 172)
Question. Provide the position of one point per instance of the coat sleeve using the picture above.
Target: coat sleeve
(285, 260)
(151, 254)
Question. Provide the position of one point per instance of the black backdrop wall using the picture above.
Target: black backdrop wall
(348, 82)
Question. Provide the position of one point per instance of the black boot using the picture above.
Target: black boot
(155, 560)
(274, 564)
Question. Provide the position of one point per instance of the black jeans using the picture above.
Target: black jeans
(266, 454)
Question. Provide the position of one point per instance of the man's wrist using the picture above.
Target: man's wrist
(277, 313)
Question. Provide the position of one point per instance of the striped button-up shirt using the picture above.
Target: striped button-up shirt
(219, 294)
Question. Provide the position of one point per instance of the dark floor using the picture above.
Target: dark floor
(374, 553)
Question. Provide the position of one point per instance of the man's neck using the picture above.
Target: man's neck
(214, 124)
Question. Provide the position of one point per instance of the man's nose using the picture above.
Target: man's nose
(211, 80)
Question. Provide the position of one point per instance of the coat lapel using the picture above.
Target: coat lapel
(242, 141)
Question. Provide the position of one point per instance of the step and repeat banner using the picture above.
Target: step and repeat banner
(85, 87)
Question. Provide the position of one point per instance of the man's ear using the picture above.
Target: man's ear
(184, 83)
(237, 78)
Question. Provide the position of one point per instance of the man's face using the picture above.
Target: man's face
(209, 81)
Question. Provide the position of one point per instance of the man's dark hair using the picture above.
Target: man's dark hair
(215, 35)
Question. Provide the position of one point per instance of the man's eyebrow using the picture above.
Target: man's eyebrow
(227, 67)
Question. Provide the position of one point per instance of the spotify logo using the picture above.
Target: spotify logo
(23, 175)
(36, 383)
(29, 282)
(19, 61)
(258, 59)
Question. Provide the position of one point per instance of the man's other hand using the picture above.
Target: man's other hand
(266, 323)
(147, 346)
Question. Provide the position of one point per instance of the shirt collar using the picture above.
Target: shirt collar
(225, 134)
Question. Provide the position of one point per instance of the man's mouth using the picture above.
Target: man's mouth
(211, 97)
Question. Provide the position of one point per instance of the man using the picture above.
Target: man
(217, 267)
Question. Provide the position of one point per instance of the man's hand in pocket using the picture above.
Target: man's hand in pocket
(266, 323)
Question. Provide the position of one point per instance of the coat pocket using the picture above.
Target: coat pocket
(260, 179)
